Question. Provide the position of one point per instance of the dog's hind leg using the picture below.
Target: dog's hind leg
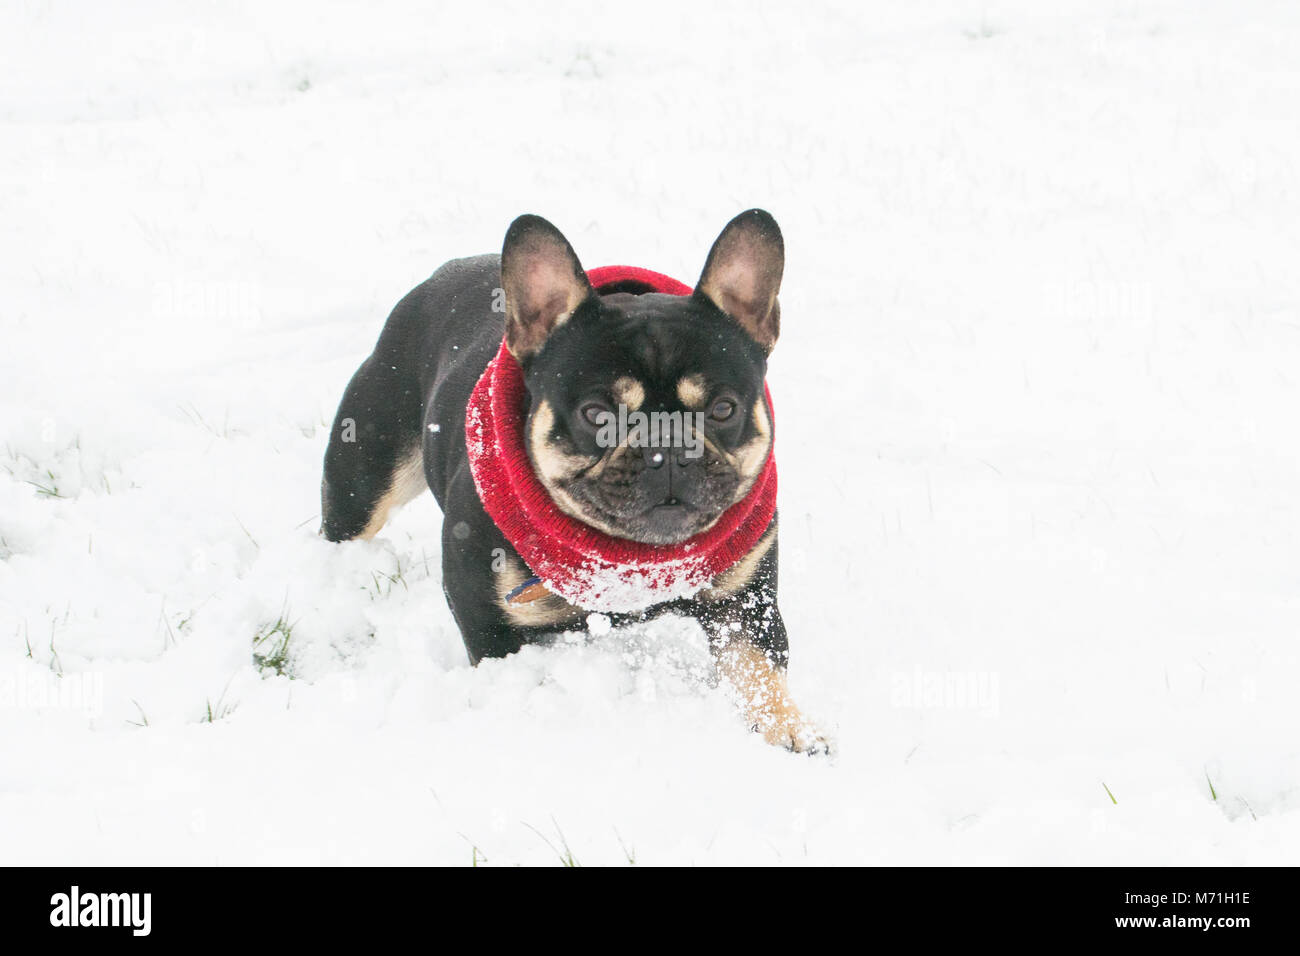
(374, 461)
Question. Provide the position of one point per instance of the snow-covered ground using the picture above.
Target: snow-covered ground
(1036, 396)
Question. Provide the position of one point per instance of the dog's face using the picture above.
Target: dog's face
(647, 417)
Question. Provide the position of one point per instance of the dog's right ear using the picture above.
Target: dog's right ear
(543, 281)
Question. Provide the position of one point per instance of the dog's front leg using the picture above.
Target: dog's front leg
(485, 581)
(751, 650)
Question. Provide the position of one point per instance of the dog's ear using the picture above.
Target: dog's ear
(742, 275)
(543, 281)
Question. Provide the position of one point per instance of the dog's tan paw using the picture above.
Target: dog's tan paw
(810, 739)
(797, 735)
(764, 697)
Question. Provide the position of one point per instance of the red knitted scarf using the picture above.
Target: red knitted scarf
(585, 566)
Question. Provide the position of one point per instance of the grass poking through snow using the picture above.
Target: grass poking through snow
(271, 647)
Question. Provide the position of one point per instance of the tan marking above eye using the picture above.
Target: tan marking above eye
(628, 391)
(692, 391)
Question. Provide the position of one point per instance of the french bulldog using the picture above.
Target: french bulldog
(588, 357)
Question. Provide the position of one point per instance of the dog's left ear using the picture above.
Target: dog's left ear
(543, 282)
(742, 275)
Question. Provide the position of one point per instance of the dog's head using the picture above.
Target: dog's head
(646, 412)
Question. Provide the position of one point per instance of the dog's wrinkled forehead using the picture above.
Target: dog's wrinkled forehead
(664, 348)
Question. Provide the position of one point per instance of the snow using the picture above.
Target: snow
(1036, 388)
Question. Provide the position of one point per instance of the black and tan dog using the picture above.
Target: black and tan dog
(401, 427)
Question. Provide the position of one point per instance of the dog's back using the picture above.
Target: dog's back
(401, 423)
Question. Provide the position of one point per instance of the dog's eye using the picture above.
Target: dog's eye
(594, 413)
(723, 409)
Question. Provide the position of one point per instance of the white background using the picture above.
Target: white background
(1036, 398)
